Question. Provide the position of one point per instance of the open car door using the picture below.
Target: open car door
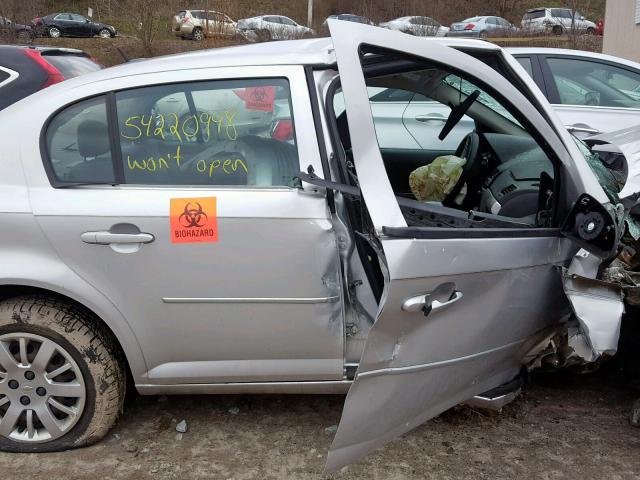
(462, 309)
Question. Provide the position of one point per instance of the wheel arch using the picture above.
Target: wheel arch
(131, 352)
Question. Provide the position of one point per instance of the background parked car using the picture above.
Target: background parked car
(556, 21)
(272, 27)
(10, 30)
(198, 24)
(71, 25)
(417, 25)
(25, 70)
(347, 17)
(484, 26)
(592, 93)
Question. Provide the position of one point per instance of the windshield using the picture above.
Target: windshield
(467, 88)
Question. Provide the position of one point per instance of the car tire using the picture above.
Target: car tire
(557, 30)
(483, 34)
(591, 31)
(90, 386)
(24, 36)
(54, 32)
(104, 33)
(197, 34)
(264, 35)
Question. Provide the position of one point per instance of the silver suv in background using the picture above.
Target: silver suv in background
(198, 24)
(556, 21)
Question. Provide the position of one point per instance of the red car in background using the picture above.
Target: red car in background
(600, 27)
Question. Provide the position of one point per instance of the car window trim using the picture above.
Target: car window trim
(114, 138)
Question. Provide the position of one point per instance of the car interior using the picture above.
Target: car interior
(507, 178)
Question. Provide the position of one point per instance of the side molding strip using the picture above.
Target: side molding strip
(252, 300)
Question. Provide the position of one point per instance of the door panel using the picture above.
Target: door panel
(487, 301)
(266, 294)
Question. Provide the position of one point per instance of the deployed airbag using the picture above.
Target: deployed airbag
(433, 182)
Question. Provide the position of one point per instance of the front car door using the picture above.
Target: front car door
(463, 309)
(225, 269)
(591, 95)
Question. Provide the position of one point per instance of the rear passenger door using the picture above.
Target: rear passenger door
(591, 95)
(225, 267)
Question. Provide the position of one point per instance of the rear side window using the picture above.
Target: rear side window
(534, 14)
(526, 64)
(213, 133)
(72, 65)
(78, 143)
(3, 76)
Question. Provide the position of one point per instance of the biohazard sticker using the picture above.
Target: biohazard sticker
(258, 98)
(193, 220)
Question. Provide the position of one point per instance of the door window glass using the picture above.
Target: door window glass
(209, 133)
(584, 82)
(78, 143)
(78, 18)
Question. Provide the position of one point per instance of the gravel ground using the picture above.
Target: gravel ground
(563, 427)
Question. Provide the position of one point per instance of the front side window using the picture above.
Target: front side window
(584, 82)
(78, 144)
(236, 132)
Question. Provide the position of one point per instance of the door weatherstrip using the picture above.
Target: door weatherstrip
(253, 300)
(429, 366)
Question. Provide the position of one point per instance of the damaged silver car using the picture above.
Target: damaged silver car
(297, 254)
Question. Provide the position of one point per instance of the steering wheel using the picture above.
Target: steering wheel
(468, 149)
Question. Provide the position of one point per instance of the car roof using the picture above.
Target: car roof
(572, 53)
(315, 51)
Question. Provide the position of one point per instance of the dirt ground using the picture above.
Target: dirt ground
(563, 427)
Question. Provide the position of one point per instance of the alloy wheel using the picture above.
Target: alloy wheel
(54, 32)
(42, 391)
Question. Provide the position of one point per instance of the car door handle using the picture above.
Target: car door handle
(430, 117)
(424, 304)
(107, 238)
(577, 129)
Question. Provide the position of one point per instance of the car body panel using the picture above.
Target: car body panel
(407, 373)
(315, 298)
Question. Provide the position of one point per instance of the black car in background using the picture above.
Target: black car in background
(70, 25)
(11, 30)
(25, 70)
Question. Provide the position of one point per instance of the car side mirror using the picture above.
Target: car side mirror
(591, 226)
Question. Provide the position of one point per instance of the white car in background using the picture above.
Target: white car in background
(556, 21)
(272, 27)
(417, 25)
(591, 92)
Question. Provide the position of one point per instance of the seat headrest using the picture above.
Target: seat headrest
(93, 138)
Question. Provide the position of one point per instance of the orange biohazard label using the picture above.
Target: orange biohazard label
(258, 98)
(193, 220)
